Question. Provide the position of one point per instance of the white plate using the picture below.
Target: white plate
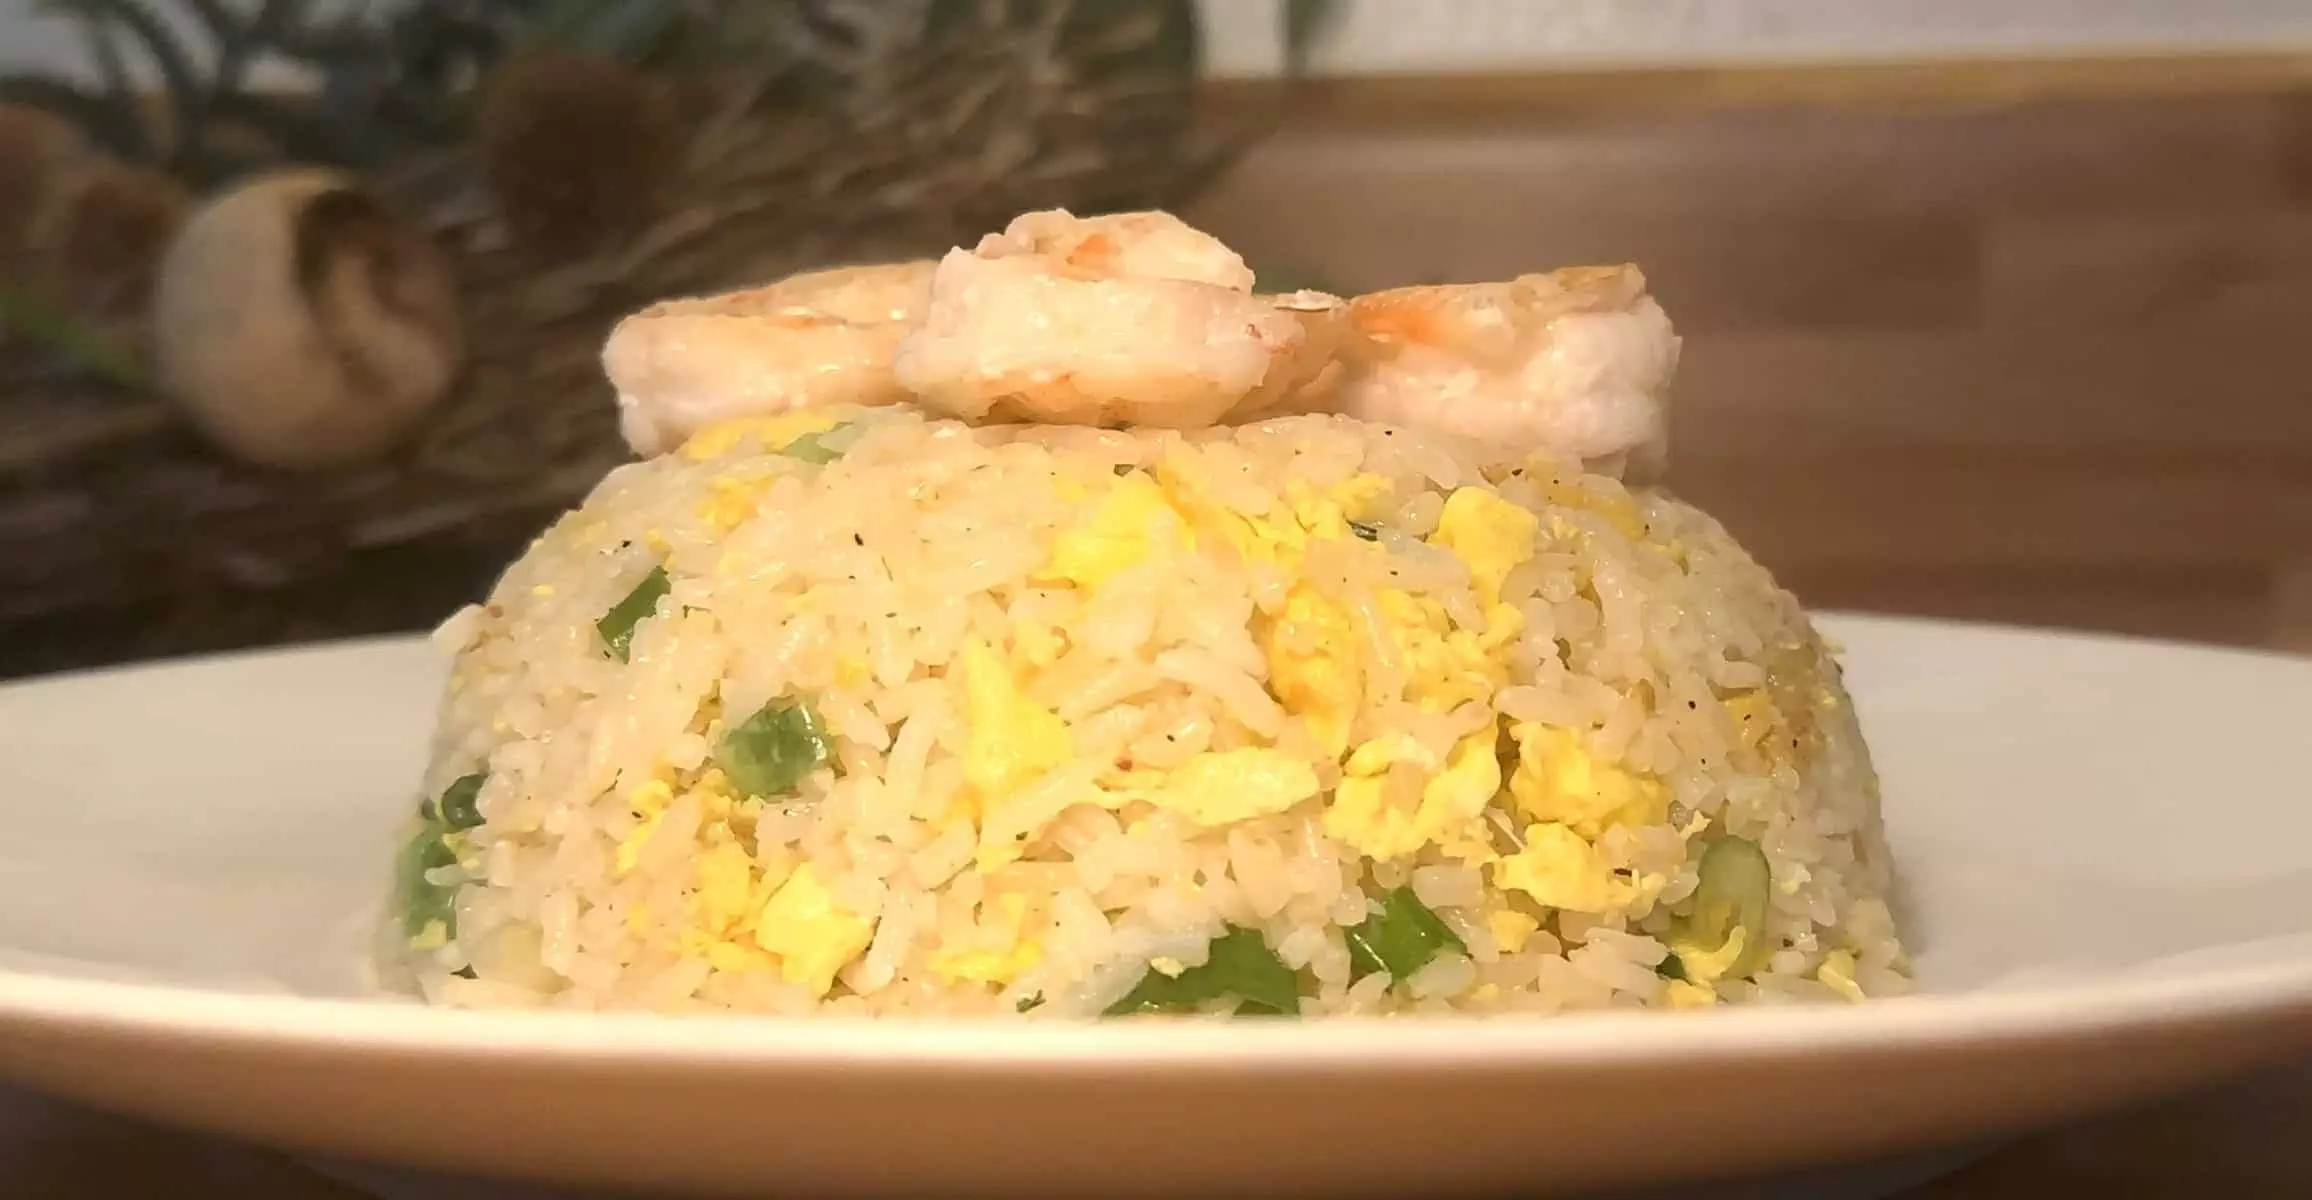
(2106, 850)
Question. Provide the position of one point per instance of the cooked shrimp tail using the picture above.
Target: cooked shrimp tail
(1132, 318)
(816, 339)
(1576, 363)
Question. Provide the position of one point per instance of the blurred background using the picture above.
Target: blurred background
(1993, 311)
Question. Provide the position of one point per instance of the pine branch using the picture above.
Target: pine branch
(237, 45)
(294, 129)
(624, 29)
(120, 90)
(167, 54)
(338, 42)
(217, 19)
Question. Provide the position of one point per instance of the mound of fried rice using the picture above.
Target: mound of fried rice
(867, 712)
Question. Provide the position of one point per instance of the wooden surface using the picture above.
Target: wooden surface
(2035, 362)
(2042, 363)
(2241, 1142)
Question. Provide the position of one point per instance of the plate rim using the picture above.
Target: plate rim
(2260, 993)
(227, 1018)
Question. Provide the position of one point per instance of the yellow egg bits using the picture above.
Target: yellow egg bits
(1394, 797)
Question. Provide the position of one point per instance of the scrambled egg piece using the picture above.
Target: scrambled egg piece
(811, 936)
(1224, 786)
(1040, 645)
(1837, 973)
(1757, 724)
(1452, 798)
(1685, 994)
(772, 433)
(649, 801)
(729, 888)
(1280, 536)
(1013, 740)
(1618, 510)
(1511, 929)
(1446, 667)
(1557, 780)
(1312, 665)
(733, 958)
(1490, 534)
(731, 502)
(1560, 869)
(726, 882)
(1315, 669)
(1010, 955)
(1131, 522)
(1011, 743)
(1255, 541)
(1710, 966)
(1326, 513)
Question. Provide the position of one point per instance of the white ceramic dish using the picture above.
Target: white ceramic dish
(2106, 851)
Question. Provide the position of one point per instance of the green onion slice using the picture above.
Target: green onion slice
(773, 751)
(1400, 939)
(617, 625)
(1239, 964)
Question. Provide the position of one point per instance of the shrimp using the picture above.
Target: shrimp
(1131, 318)
(812, 340)
(1304, 378)
(1576, 363)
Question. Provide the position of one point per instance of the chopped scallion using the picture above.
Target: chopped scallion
(812, 448)
(457, 807)
(424, 902)
(617, 625)
(1239, 964)
(1400, 939)
(773, 751)
(1366, 530)
(1733, 884)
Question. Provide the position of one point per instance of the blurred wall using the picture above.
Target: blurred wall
(2047, 362)
(1394, 36)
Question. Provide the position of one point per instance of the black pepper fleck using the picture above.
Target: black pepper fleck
(856, 540)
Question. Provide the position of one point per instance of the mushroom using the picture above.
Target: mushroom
(35, 148)
(303, 323)
(102, 234)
